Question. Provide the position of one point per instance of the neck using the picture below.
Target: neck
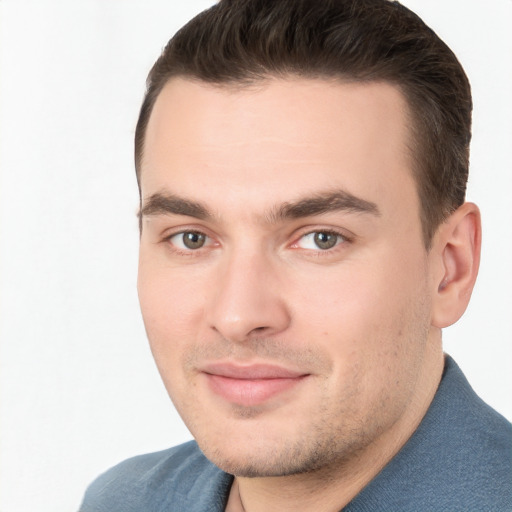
(334, 486)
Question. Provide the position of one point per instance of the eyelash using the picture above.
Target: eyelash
(184, 252)
(343, 240)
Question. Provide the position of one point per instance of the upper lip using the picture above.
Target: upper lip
(251, 371)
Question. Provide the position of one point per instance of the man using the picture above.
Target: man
(304, 239)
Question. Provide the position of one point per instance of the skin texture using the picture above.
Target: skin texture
(357, 325)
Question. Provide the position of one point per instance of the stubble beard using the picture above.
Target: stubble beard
(279, 455)
(314, 455)
(327, 443)
(324, 447)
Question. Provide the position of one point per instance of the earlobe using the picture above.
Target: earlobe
(456, 249)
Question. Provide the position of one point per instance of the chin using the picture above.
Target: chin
(274, 460)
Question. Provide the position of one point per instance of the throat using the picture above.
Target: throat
(284, 494)
(235, 503)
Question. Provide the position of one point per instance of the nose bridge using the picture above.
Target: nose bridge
(246, 298)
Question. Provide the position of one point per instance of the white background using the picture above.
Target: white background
(79, 390)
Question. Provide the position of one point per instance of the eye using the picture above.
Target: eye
(322, 240)
(189, 240)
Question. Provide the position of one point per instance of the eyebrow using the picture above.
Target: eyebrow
(338, 200)
(165, 204)
(330, 201)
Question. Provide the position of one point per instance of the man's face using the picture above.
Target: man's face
(283, 278)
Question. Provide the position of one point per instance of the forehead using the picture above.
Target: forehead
(276, 141)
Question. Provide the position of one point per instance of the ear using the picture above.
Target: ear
(456, 257)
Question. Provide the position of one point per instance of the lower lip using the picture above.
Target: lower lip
(249, 392)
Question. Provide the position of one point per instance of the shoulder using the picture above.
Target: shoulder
(180, 478)
(474, 446)
(460, 457)
(471, 432)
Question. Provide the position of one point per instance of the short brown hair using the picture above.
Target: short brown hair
(244, 41)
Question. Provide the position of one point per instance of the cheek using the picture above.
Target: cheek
(171, 308)
(167, 311)
(365, 313)
(344, 301)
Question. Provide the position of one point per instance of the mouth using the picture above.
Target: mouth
(251, 385)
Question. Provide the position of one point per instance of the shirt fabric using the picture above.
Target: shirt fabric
(458, 459)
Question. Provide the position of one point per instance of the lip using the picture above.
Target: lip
(250, 385)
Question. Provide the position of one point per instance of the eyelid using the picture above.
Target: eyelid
(180, 230)
(181, 233)
(185, 228)
(346, 238)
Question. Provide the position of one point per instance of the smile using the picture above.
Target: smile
(250, 385)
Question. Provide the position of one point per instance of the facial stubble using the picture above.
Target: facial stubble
(321, 443)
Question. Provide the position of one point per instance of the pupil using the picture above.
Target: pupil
(193, 240)
(325, 240)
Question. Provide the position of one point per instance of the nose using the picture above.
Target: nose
(247, 299)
